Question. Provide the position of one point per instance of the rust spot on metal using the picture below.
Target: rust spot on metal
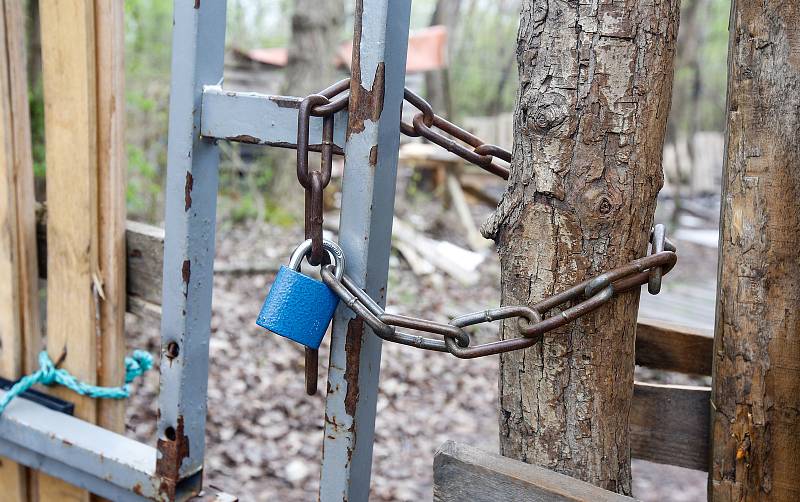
(172, 450)
(196, 4)
(373, 156)
(283, 102)
(137, 489)
(352, 348)
(186, 273)
(364, 104)
(187, 197)
(135, 253)
(244, 138)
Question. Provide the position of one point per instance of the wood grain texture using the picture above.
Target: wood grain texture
(462, 473)
(664, 346)
(145, 261)
(12, 475)
(756, 393)
(669, 424)
(111, 181)
(595, 86)
(68, 71)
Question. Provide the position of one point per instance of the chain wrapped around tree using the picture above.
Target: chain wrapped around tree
(533, 322)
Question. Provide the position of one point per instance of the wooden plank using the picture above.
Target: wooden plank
(664, 346)
(19, 299)
(756, 415)
(461, 473)
(12, 475)
(111, 180)
(145, 261)
(669, 424)
(144, 258)
(68, 71)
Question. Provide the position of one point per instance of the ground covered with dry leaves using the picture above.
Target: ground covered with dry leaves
(264, 435)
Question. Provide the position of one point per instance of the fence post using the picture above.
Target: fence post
(68, 72)
(756, 373)
(20, 333)
(376, 94)
(111, 181)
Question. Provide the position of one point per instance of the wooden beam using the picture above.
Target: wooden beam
(12, 475)
(69, 76)
(756, 393)
(111, 181)
(20, 331)
(461, 473)
(664, 346)
(669, 424)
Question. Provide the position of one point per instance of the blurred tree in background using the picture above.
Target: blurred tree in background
(481, 80)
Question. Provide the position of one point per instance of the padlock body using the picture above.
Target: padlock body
(298, 307)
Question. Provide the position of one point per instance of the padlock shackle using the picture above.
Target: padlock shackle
(334, 251)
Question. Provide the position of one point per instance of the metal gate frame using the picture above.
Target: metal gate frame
(201, 113)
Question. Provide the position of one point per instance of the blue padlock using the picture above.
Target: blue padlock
(299, 307)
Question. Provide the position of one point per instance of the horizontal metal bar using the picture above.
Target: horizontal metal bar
(62, 445)
(66, 472)
(249, 117)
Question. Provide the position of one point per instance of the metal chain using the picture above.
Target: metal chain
(532, 322)
(314, 182)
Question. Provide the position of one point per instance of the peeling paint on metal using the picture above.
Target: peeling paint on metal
(187, 190)
(171, 455)
(352, 347)
(373, 156)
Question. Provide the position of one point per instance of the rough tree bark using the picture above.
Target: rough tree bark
(756, 392)
(595, 85)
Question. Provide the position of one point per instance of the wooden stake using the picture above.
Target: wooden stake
(19, 301)
(111, 169)
(73, 272)
(756, 390)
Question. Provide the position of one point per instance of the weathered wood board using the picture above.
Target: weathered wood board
(663, 346)
(463, 473)
(669, 424)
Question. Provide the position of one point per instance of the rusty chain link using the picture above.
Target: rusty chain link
(314, 182)
(532, 322)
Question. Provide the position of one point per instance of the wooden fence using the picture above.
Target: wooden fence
(83, 75)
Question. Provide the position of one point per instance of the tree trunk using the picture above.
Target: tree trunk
(595, 85)
(756, 393)
(437, 82)
(317, 29)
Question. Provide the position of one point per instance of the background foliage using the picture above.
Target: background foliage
(482, 77)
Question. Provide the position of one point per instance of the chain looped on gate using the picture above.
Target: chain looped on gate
(314, 182)
(532, 322)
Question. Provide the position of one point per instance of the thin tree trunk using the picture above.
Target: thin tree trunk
(595, 86)
(437, 82)
(317, 28)
(756, 392)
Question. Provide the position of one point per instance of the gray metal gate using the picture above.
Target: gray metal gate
(201, 114)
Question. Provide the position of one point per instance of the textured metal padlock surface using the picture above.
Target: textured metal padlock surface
(298, 307)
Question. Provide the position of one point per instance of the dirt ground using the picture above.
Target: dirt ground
(264, 433)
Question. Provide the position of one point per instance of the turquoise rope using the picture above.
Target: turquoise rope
(48, 374)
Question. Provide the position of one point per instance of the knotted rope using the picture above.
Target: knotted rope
(48, 374)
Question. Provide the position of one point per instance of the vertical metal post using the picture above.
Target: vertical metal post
(376, 94)
(198, 44)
